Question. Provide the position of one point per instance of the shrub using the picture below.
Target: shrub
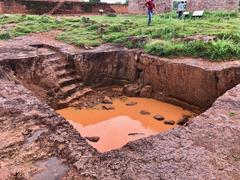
(5, 36)
(165, 48)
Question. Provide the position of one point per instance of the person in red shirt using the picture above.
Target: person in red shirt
(151, 6)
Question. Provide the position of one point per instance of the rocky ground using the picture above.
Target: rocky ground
(36, 143)
(33, 135)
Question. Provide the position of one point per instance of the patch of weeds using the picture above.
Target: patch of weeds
(5, 36)
(165, 48)
(231, 114)
(161, 35)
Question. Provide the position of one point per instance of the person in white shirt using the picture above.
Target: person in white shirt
(181, 9)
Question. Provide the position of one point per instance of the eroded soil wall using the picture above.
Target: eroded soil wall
(189, 82)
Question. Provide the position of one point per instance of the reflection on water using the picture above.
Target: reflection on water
(114, 126)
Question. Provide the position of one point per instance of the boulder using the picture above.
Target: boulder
(105, 107)
(107, 100)
(135, 134)
(183, 120)
(170, 122)
(93, 138)
(131, 103)
(132, 90)
(159, 117)
(146, 91)
(143, 112)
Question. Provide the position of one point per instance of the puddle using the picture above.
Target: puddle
(34, 137)
(52, 169)
(124, 123)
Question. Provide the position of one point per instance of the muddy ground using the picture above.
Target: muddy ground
(37, 143)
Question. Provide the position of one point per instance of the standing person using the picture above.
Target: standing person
(180, 9)
(150, 6)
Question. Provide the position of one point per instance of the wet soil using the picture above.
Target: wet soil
(114, 126)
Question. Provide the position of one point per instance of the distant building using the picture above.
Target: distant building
(138, 6)
(213, 4)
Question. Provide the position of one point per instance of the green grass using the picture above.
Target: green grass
(161, 39)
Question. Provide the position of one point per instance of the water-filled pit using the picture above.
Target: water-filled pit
(123, 123)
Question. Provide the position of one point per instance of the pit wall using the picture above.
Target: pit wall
(34, 73)
(192, 86)
(191, 83)
(68, 7)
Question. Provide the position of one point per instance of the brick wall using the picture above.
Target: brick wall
(138, 6)
(1, 7)
(11, 6)
(213, 4)
(112, 8)
(135, 6)
(68, 7)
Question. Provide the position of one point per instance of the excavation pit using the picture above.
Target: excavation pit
(123, 123)
(44, 79)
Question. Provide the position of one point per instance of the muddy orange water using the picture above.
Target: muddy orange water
(113, 126)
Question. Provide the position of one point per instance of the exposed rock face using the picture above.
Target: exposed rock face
(191, 83)
(107, 100)
(194, 82)
(191, 149)
(183, 120)
(102, 68)
(132, 90)
(31, 132)
(146, 91)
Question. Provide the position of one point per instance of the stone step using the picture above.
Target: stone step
(69, 80)
(48, 56)
(74, 97)
(55, 60)
(69, 90)
(59, 67)
(65, 72)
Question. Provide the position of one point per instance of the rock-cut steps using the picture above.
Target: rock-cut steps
(71, 87)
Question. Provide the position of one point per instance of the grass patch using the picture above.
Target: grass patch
(161, 36)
